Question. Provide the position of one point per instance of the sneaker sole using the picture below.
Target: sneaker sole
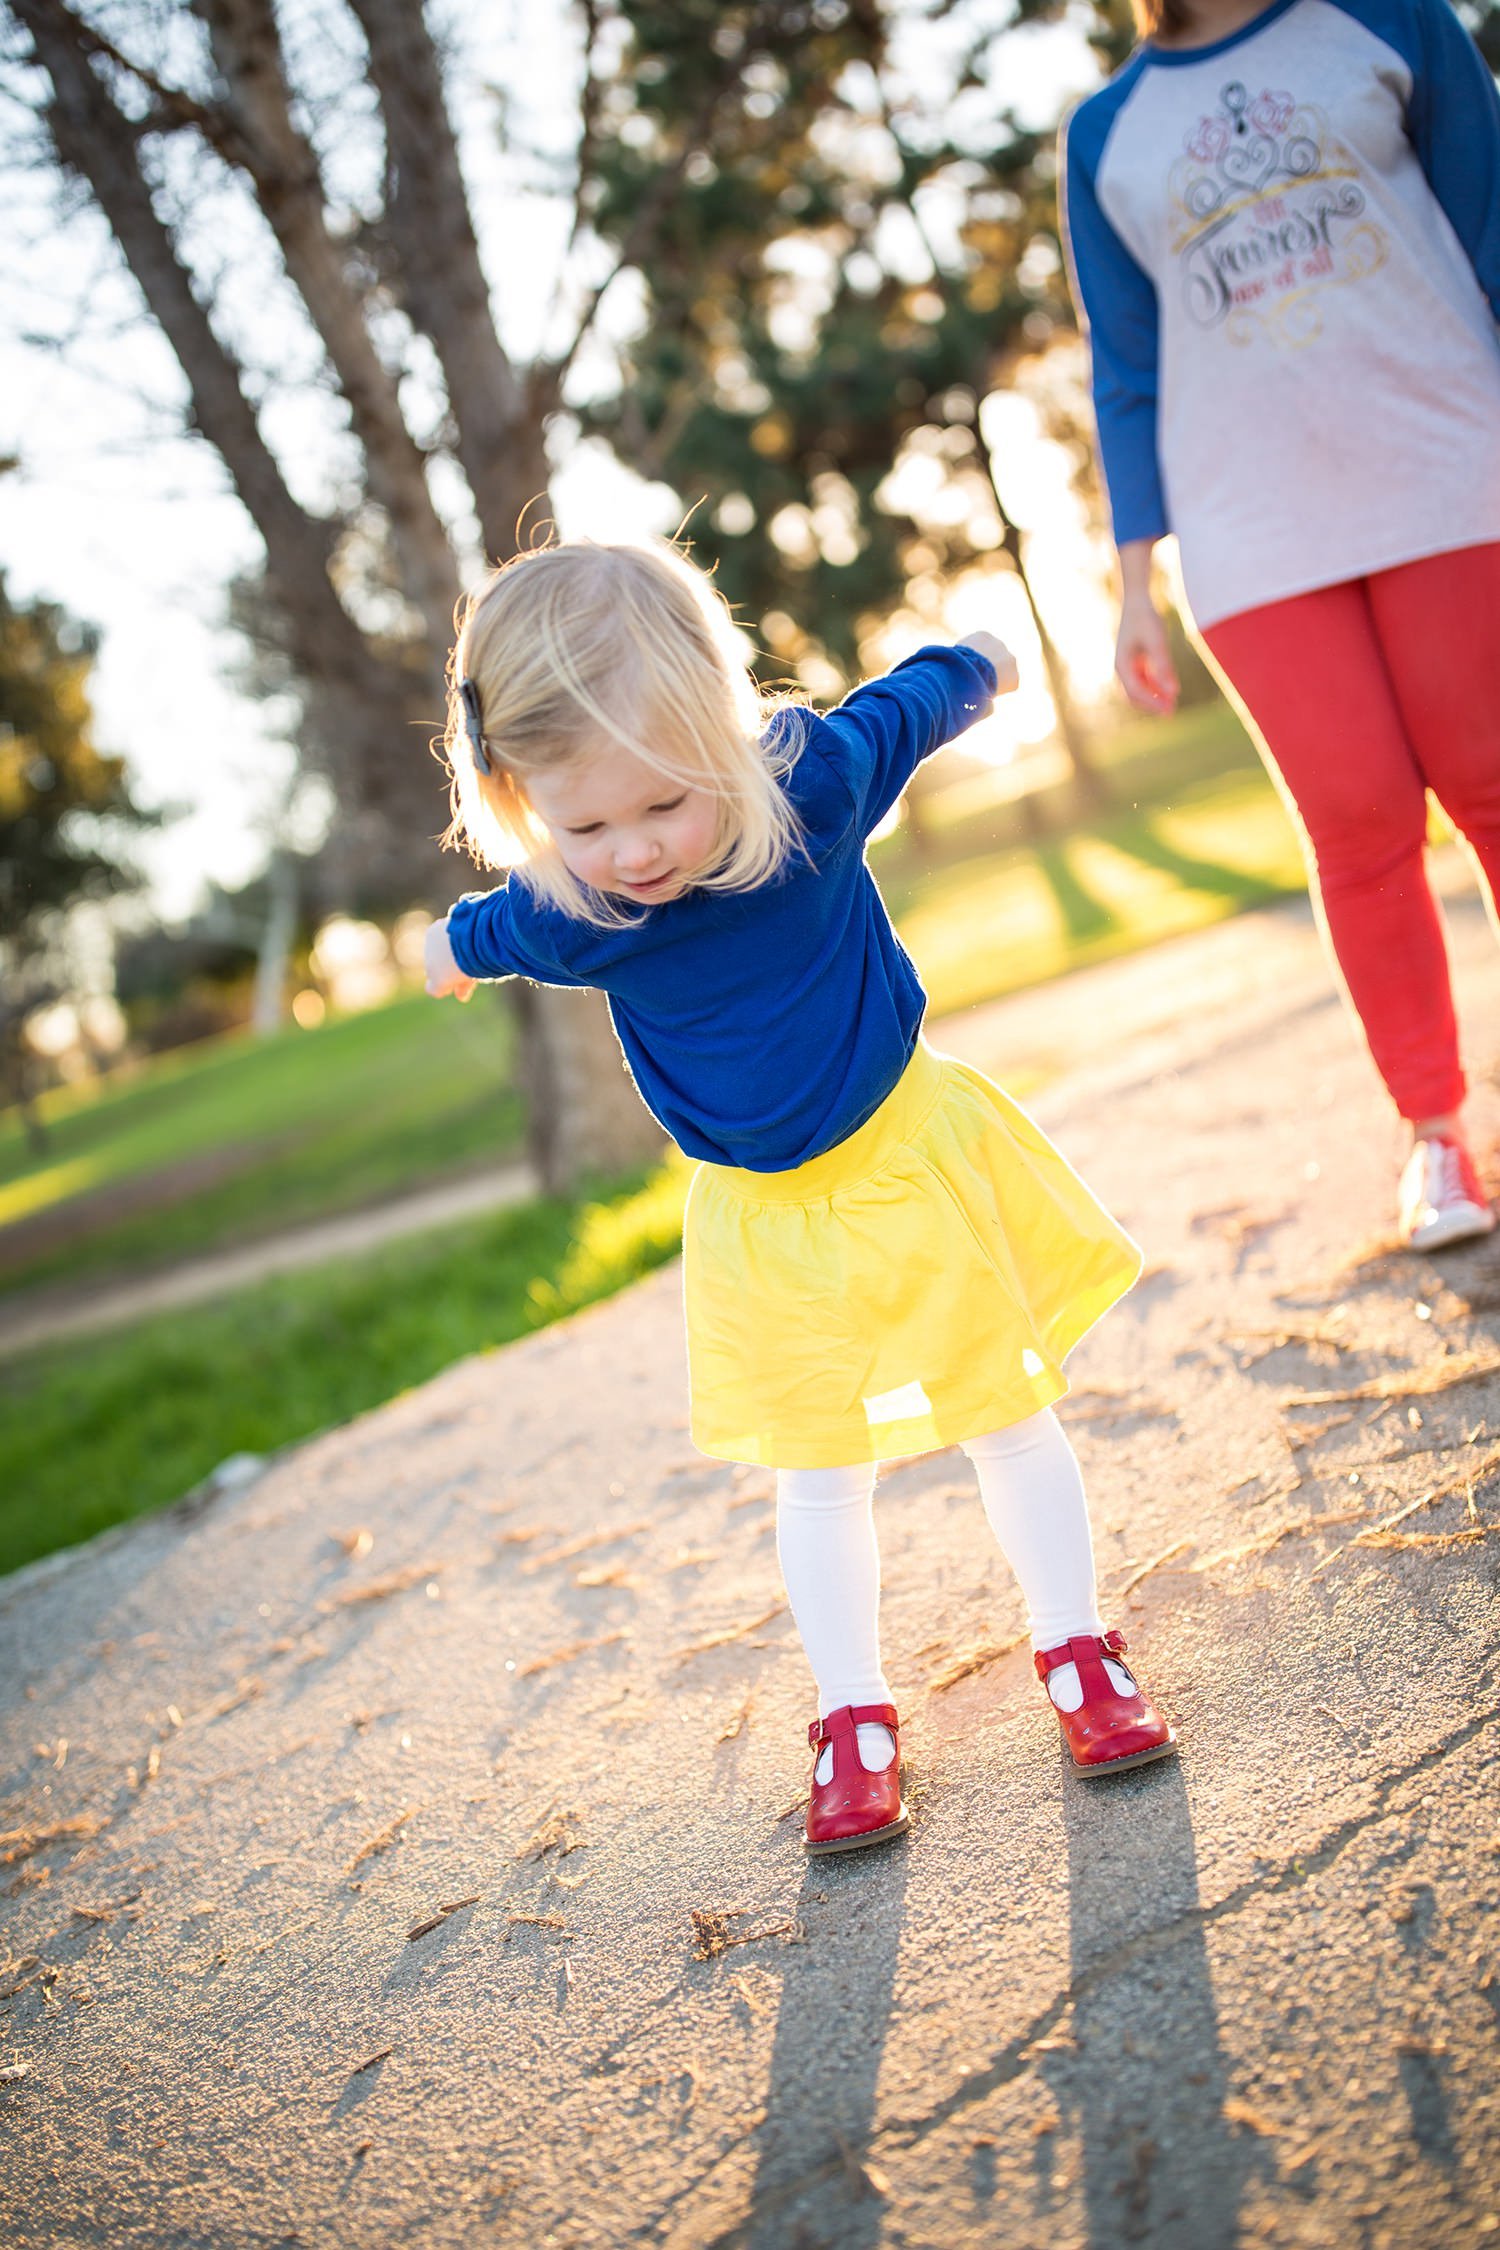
(858, 1843)
(1136, 1758)
(1464, 1226)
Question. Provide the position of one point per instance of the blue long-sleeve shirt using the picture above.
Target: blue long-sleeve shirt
(763, 1027)
(1286, 250)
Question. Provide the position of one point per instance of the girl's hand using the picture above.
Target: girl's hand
(1007, 671)
(1143, 660)
(443, 973)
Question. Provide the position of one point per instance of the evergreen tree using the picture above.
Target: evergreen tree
(840, 275)
(66, 816)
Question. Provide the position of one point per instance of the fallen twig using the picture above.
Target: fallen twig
(713, 1935)
(558, 1832)
(105, 1913)
(380, 1589)
(16, 1974)
(436, 1921)
(1300, 1528)
(582, 1545)
(1297, 1440)
(737, 1723)
(1450, 1374)
(382, 1842)
(20, 1843)
(1168, 1554)
(966, 1662)
(729, 1633)
(566, 1655)
(1379, 1534)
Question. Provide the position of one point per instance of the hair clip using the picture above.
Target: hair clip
(468, 696)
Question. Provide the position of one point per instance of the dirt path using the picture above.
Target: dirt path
(47, 1316)
(403, 1850)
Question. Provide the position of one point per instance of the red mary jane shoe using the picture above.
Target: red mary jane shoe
(1109, 1731)
(854, 1807)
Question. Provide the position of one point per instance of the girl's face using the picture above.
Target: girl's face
(622, 828)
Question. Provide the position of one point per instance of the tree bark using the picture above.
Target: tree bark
(1086, 775)
(283, 169)
(585, 1118)
(584, 1113)
(499, 418)
(274, 951)
(367, 703)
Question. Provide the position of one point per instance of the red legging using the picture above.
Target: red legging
(1364, 696)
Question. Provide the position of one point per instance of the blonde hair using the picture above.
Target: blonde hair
(1153, 18)
(576, 646)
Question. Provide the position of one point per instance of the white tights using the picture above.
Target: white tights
(825, 1536)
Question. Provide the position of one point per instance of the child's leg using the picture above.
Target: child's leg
(830, 1564)
(1032, 1491)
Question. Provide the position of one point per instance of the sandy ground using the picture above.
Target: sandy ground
(403, 1849)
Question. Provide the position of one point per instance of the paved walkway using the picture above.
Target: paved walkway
(47, 1316)
(403, 1849)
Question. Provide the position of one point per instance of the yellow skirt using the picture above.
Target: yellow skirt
(919, 1284)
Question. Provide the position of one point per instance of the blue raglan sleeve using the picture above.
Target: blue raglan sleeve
(1116, 302)
(1453, 118)
(879, 735)
(490, 937)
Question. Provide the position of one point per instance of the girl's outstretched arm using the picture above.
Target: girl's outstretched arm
(879, 735)
(995, 652)
(443, 973)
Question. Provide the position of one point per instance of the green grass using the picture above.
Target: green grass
(241, 1137)
(91, 1434)
(993, 923)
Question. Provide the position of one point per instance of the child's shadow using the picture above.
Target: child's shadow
(1144, 2078)
(837, 1990)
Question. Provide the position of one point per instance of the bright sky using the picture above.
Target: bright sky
(129, 523)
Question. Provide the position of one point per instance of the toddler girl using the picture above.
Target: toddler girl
(882, 1254)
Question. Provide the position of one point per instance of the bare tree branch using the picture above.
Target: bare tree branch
(588, 127)
(636, 243)
(288, 184)
(360, 694)
(252, 131)
(497, 418)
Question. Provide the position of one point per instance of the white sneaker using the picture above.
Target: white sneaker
(1441, 1198)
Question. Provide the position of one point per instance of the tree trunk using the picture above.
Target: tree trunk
(1088, 780)
(268, 1004)
(585, 1118)
(498, 417)
(365, 703)
(584, 1114)
(289, 189)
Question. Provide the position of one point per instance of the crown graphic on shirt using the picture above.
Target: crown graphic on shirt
(1247, 133)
